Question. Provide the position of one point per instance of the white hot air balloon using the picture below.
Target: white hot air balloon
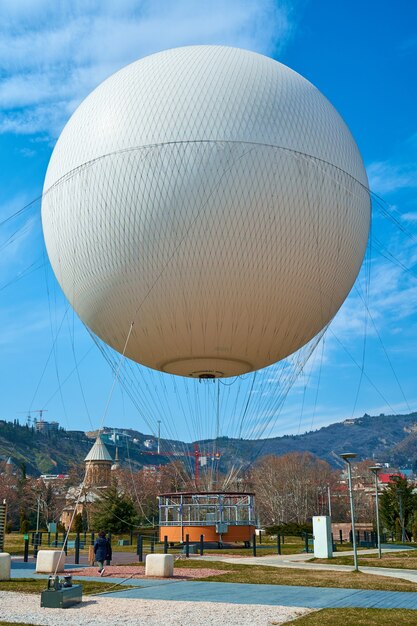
(213, 197)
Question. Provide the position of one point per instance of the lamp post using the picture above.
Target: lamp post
(329, 500)
(347, 456)
(375, 469)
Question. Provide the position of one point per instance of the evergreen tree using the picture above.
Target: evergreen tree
(24, 522)
(77, 526)
(114, 512)
(23, 471)
(397, 504)
(85, 519)
(414, 527)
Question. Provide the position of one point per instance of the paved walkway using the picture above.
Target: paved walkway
(303, 561)
(239, 593)
(274, 595)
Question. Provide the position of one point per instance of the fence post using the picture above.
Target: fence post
(92, 538)
(278, 543)
(131, 536)
(165, 544)
(139, 548)
(56, 539)
(201, 545)
(109, 540)
(306, 542)
(260, 536)
(77, 549)
(254, 544)
(152, 544)
(341, 536)
(26, 552)
(187, 546)
(35, 546)
(33, 539)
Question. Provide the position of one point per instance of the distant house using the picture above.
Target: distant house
(385, 478)
(53, 477)
(42, 426)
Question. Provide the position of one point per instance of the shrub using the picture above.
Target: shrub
(291, 529)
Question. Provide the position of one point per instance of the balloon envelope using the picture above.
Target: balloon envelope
(215, 198)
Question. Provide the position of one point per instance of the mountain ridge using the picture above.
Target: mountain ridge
(385, 438)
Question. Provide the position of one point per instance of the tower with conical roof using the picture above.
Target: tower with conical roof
(98, 464)
(116, 464)
(9, 466)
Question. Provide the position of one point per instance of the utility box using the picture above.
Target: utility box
(322, 534)
(221, 528)
(61, 593)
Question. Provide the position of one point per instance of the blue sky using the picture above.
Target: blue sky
(361, 55)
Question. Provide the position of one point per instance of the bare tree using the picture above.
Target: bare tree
(292, 487)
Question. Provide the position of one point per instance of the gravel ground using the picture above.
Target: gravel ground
(96, 611)
(138, 571)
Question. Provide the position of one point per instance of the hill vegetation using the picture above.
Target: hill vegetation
(386, 438)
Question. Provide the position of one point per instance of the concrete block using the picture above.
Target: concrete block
(5, 564)
(48, 560)
(161, 565)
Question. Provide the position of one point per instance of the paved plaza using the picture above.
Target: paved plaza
(239, 593)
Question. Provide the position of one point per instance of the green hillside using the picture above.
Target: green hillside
(386, 438)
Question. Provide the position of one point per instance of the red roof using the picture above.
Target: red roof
(387, 477)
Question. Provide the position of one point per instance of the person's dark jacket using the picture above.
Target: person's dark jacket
(102, 549)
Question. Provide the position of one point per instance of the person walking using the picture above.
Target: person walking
(102, 551)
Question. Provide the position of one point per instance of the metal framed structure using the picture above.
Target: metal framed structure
(217, 515)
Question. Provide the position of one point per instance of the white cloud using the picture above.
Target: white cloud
(410, 217)
(53, 54)
(385, 177)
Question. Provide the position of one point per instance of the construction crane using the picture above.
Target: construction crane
(196, 454)
(29, 413)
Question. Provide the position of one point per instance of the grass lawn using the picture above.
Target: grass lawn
(16, 624)
(258, 574)
(400, 560)
(29, 585)
(358, 617)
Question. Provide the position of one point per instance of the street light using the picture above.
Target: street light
(347, 456)
(375, 469)
(330, 500)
